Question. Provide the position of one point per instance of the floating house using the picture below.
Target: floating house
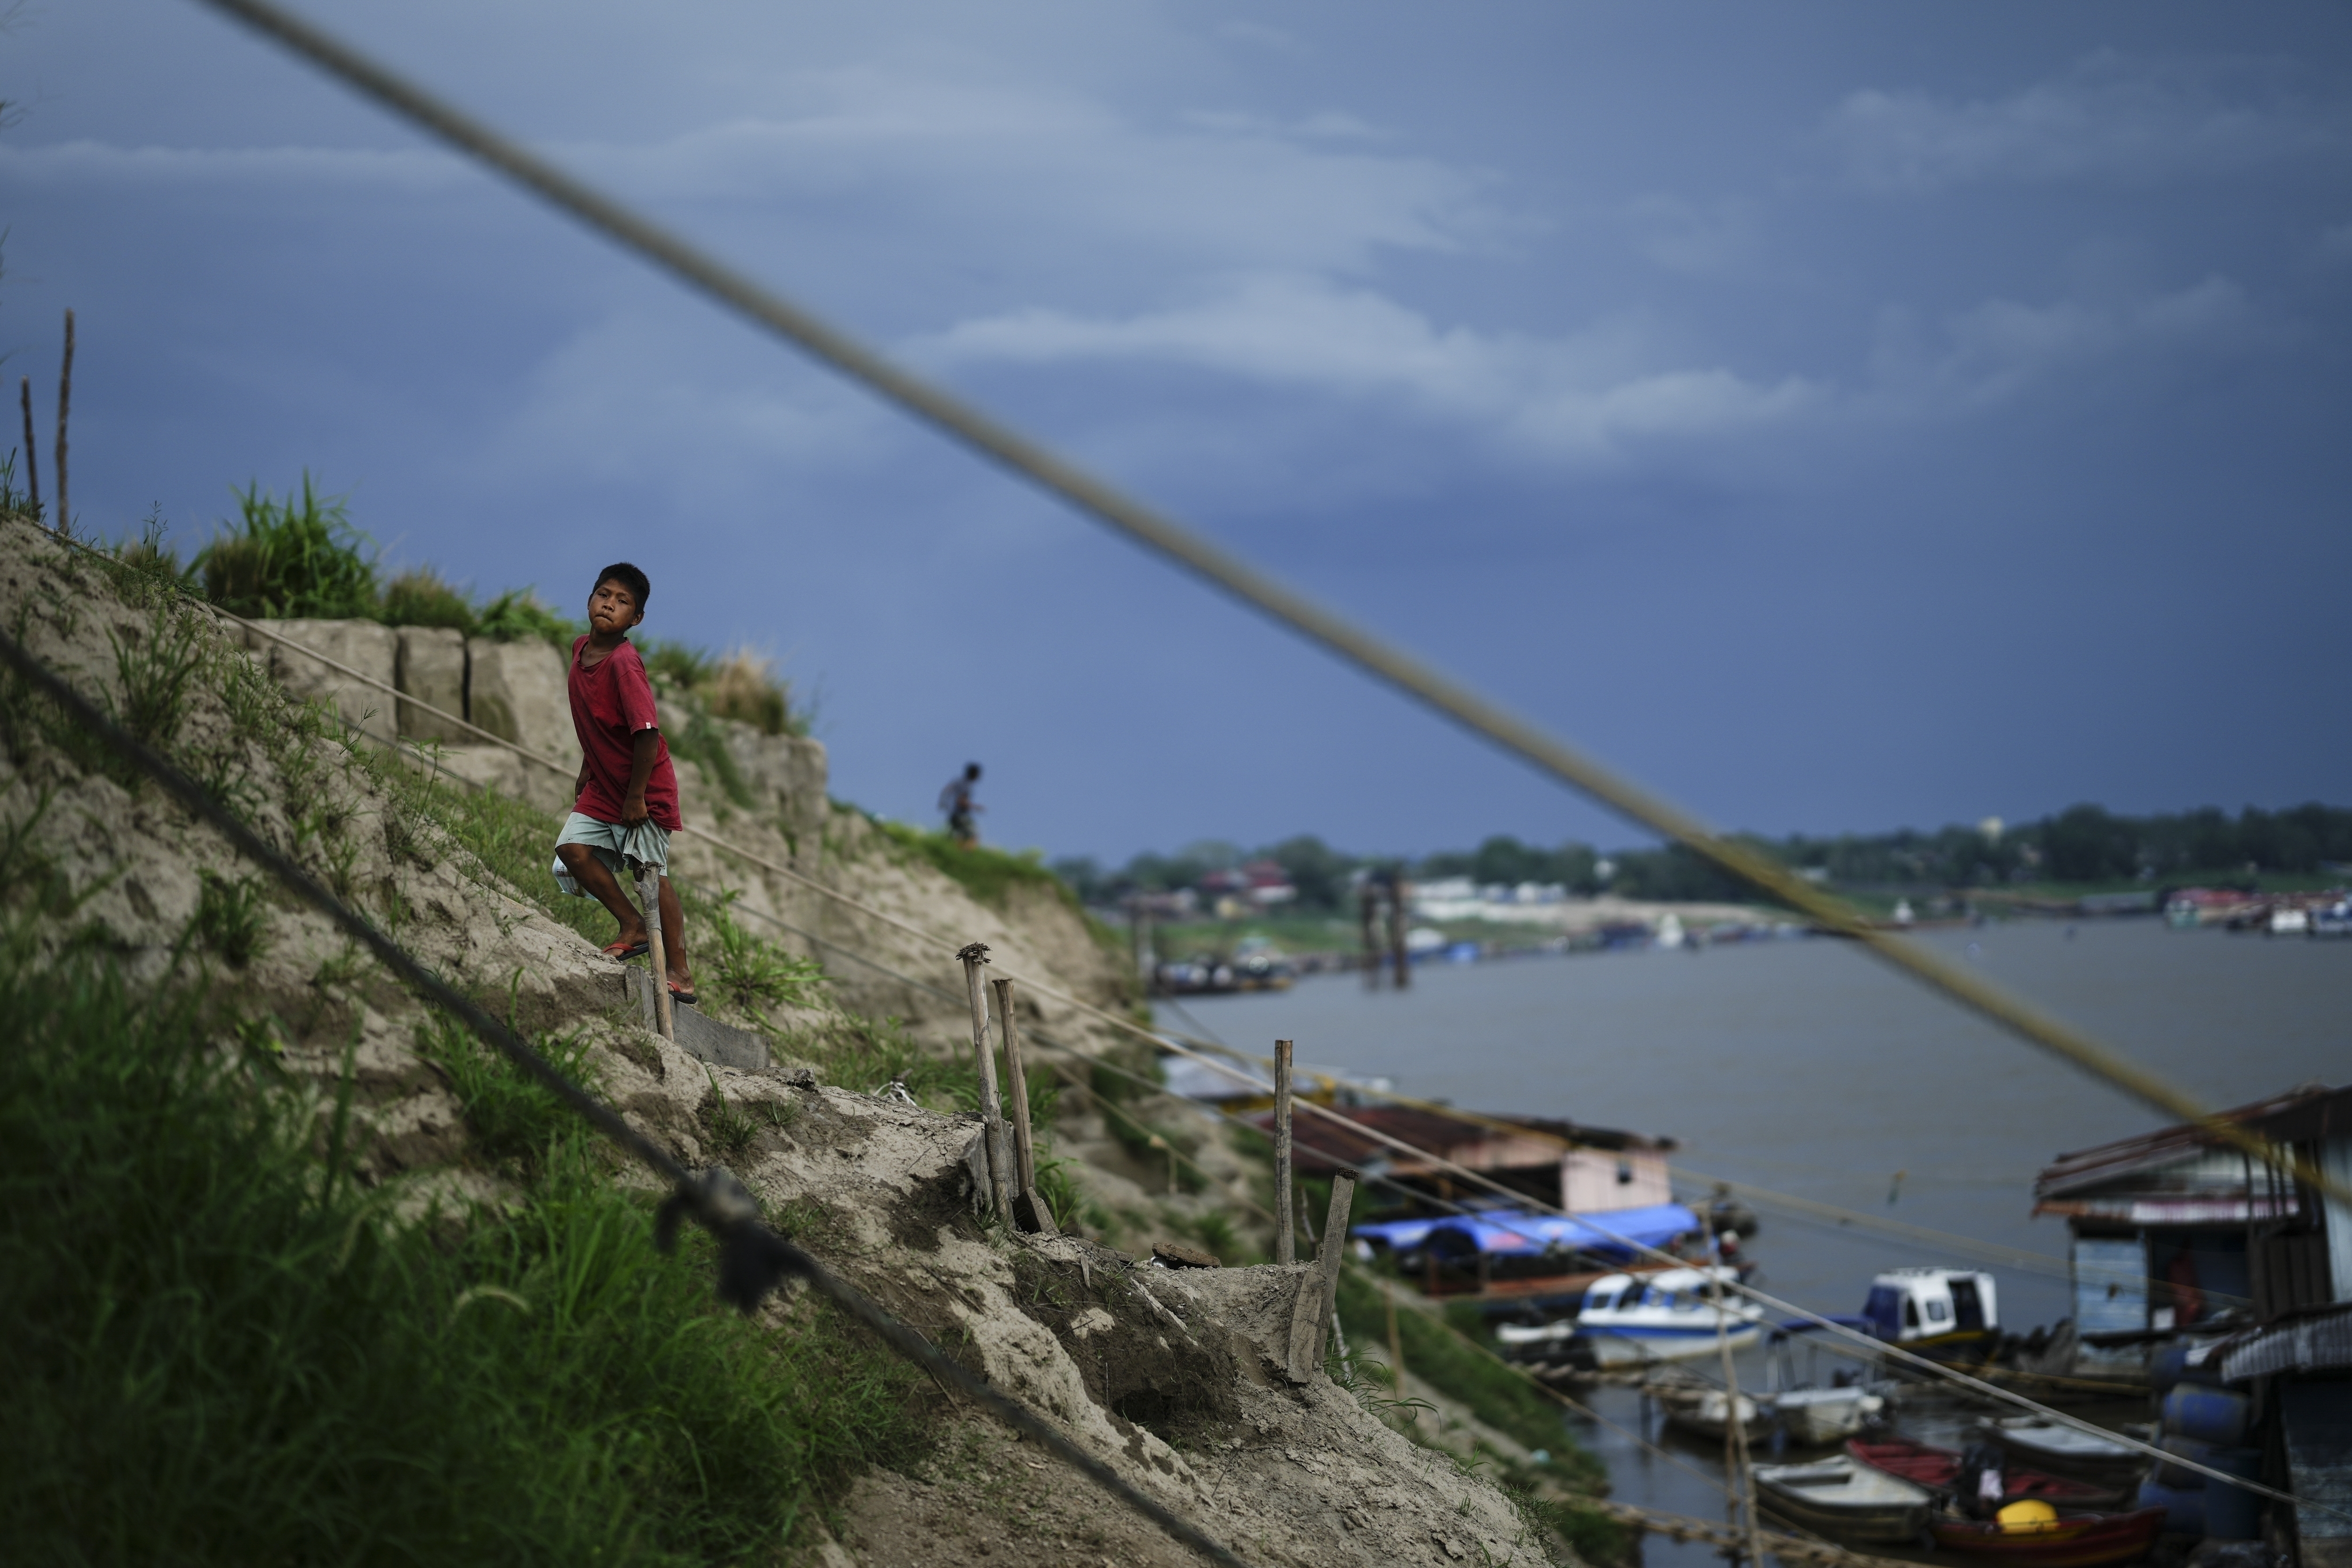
(2178, 1229)
(2229, 1285)
(1617, 1181)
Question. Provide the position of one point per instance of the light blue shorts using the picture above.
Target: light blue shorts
(648, 843)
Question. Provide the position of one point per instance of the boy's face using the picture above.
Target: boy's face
(611, 608)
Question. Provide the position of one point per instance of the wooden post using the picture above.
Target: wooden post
(650, 895)
(1740, 1498)
(991, 1116)
(1396, 1340)
(1029, 1210)
(1286, 1237)
(32, 470)
(1368, 904)
(65, 400)
(1318, 1293)
(1399, 893)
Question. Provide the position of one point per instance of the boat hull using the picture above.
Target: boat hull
(1613, 1349)
(2061, 1451)
(2084, 1542)
(1939, 1469)
(1876, 1508)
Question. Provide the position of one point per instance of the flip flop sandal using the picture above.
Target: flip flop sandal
(624, 951)
(689, 998)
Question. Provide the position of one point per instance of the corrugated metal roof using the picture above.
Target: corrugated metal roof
(2172, 1211)
(2299, 1115)
(2318, 1341)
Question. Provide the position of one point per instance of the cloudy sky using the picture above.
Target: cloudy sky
(1840, 417)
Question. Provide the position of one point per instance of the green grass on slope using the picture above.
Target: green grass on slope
(986, 874)
(218, 1350)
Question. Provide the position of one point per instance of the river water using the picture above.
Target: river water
(1810, 1068)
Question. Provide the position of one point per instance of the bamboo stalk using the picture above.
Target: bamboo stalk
(65, 401)
(1029, 1210)
(1286, 1237)
(650, 895)
(32, 468)
(992, 1116)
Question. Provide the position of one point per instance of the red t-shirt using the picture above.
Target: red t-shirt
(610, 703)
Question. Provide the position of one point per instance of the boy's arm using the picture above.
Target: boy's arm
(643, 746)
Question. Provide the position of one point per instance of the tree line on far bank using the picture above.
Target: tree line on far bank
(2082, 844)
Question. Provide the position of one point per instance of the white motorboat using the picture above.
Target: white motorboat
(1812, 1417)
(1637, 1319)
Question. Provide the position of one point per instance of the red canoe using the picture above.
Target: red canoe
(1939, 1469)
(2082, 1542)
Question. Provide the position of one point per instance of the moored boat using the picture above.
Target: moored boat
(1631, 1321)
(2067, 1450)
(1939, 1469)
(1846, 1499)
(1811, 1417)
(2080, 1541)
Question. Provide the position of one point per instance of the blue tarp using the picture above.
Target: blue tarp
(1513, 1233)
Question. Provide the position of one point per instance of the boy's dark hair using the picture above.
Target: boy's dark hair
(628, 577)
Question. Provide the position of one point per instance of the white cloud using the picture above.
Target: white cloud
(88, 163)
(2001, 348)
(1582, 396)
(1006, 174)
(2109, 118)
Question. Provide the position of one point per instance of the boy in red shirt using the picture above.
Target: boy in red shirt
(627, 804)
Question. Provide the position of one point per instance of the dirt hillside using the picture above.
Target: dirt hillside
(1173, 1376)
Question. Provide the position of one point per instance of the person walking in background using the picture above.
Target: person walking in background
(957, 802)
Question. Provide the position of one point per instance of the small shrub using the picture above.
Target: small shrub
(754, 973)
(153, 669)
(285, 558)
(745, 687)
(685, 667)
(517, 616)
(231, 917)
(512, 1118)
(420, 598)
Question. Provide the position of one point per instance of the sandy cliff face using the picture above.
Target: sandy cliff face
(1173, 1377)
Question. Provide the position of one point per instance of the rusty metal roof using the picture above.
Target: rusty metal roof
(2300, 1115)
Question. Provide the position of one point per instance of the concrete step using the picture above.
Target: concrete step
(721, 1044)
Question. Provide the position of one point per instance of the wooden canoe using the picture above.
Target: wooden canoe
(2083, 1541)
(1939, 1469)
(1846, 1498)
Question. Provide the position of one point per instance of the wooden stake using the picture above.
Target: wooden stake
(650, 895)
(32, 468)
(1368, 904)
(1739, 1498)
(1285, 1238)
(1399, 896)
(1029, 1210)
(1396, 1340)
(992, 1116)
(65, 401)
(1318, 1293)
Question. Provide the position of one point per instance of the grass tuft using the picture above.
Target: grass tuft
(287, 558)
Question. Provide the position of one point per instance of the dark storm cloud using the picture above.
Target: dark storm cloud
(1844, 418)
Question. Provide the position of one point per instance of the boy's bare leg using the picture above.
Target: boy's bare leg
(673, 921)
(592, 874)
